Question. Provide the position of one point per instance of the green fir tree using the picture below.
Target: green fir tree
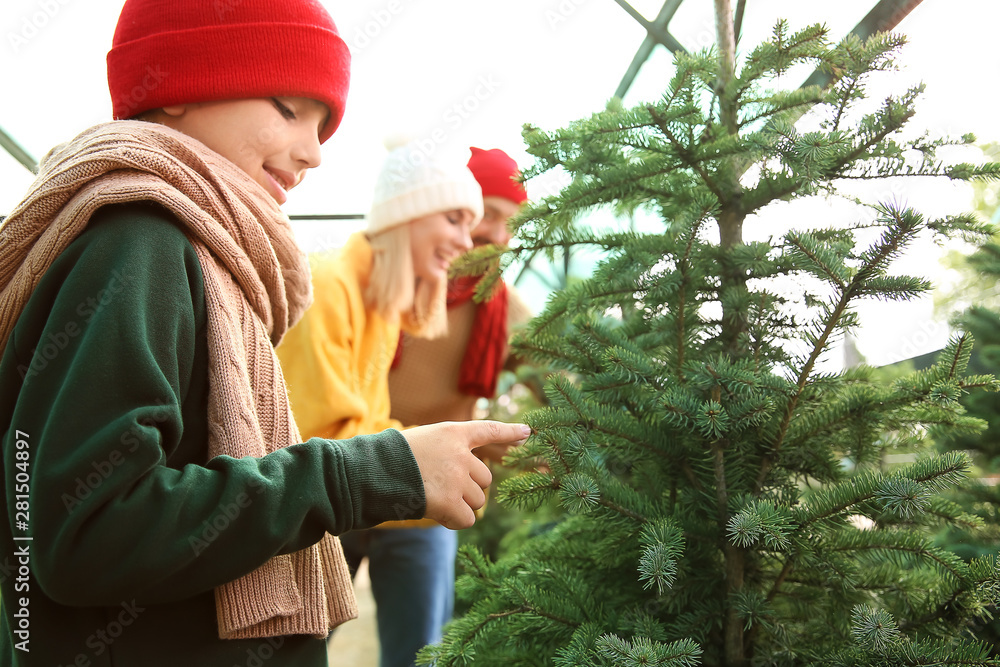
(980, 495)
(725, 502)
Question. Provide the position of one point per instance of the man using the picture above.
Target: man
(442, 379)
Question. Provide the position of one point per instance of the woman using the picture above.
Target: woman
(336, 362)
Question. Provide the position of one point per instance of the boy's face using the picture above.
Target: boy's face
(274, 140)
(493, 227)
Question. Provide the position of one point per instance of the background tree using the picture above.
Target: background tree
(979, 495)
(973, 304)
(971, 285)
(725, 501)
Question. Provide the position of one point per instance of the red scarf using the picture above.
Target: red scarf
(486, 351)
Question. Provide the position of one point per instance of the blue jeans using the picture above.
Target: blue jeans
(413, 582)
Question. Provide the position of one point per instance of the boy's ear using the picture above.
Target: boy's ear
(175, 110)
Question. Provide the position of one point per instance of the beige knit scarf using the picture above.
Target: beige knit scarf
(257, 285)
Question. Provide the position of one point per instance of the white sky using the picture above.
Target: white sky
(470, 72)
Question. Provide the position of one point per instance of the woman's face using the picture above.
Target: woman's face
(437, 239)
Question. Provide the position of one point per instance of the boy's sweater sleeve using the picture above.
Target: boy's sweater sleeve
(122, 503)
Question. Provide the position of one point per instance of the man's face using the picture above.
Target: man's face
(493, 227)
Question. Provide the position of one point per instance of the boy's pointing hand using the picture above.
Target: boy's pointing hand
(454, 478)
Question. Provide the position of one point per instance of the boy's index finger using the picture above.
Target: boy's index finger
(488, 432)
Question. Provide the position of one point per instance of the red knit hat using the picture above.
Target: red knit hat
(496, 171)
(169, 52)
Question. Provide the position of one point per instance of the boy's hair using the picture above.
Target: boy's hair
(393, 290)
(168, 52)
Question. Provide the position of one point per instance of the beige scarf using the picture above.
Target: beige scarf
(257, 285)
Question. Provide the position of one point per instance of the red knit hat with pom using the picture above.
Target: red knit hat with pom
(169, 52)
(496, 171)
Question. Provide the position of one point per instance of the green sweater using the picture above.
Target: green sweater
(103, 402)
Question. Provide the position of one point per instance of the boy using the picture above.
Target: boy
(161, 507)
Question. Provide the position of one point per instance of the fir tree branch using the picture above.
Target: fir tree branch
(502, 614)
(592, 425)
(776, 110)
(833, 318)
(548, 318)
(887, 248)
(845, 100)
(529, 608)
(827, 270)
(893, 123)
(622, 510)
(756, 199)
(684, 268)
(960, 347)
(528, 348)
(553, 445)
(903, 548)
(685, 154)
(780, 579)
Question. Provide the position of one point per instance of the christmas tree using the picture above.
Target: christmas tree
(726, 501)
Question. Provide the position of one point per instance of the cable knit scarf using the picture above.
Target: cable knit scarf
(257, 285)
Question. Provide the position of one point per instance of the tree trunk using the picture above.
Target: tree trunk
(733, 321)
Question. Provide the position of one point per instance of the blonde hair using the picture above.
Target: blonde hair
(394, 291)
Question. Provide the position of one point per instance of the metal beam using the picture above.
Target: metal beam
(666, 13)
(884, 16)
(19, 154)
(657, 33)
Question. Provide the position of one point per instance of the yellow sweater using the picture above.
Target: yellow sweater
(336, 359)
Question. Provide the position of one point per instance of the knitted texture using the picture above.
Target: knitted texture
(487, 349)
(412, 185)
(169, 52)
(257, 285)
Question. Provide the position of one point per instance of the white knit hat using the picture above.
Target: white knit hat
(413, 184)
